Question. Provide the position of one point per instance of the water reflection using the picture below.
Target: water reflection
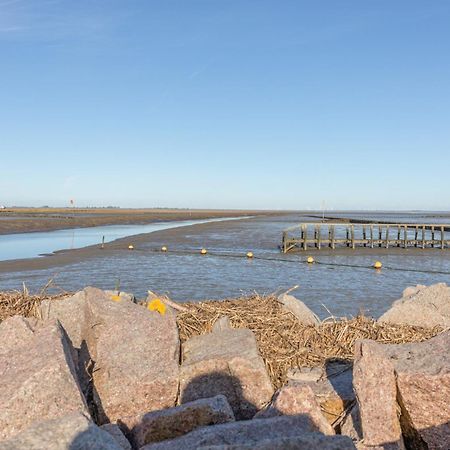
(340, 289)
(335, 287)
(30, 245)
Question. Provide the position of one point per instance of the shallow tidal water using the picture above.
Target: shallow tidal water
(30, 245)
(328, 287)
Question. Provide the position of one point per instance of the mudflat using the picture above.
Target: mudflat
(172, 237)
(24, 220)
(193, 236)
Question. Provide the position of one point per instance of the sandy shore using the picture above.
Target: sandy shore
(181, 237)
(170, 237)
(25, 220)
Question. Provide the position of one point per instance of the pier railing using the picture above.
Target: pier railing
(332, 235)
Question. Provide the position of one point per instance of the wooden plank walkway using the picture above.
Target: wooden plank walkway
(317, 235)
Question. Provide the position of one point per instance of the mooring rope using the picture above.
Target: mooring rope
(285, 260)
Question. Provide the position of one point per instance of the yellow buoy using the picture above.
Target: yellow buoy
(164, 248)
(377, 265)
(249, 254)
(203, 251)
(115, 298)
(310, 260)
(131, 247)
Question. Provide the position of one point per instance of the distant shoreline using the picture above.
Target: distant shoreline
(29, 220)
(61, 258)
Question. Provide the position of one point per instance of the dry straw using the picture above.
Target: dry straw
(285, 343)
(22, 303)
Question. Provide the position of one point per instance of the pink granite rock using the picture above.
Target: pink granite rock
(248, 432)
(15, 332)
(423, 307)
(37, 379)
(420, 375)
(120, 296)
(136, 354)
(173, 422)
(226, 362)
(221, 324)
(296, 307)
(70, 432)
(70, 312)
(332, 385)
(307, 441)
(423, 383)
(133, 353)
(114, 430)
(351, 425)
(412, 290)
(376, 390)
(294, 400)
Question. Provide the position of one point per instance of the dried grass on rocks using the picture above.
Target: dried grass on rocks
(285, 343)
(22, 303)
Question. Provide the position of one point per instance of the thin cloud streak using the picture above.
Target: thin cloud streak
(198, 72)
(49, 20)
(12, 29)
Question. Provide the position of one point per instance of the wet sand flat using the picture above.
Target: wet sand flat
(238, 234)
(24, 220)
(343, 279)
(177, 237)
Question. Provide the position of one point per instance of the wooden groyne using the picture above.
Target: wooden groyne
(317, 235)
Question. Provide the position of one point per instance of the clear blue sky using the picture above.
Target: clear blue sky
(225, 103)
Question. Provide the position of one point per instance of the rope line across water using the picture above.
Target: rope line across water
(291, 261)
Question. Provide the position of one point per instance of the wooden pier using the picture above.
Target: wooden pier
(332, 235)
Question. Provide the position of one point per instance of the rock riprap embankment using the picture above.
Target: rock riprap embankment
(403, 393)
(227, 362)
(99, 371)
(421, 306)
(171, 423)
(38, 380)
(133, 353)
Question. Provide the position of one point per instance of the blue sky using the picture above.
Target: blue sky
(225, 103)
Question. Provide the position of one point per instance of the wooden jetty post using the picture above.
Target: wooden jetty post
(318, 236)
(335, 234)
(333, 231)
